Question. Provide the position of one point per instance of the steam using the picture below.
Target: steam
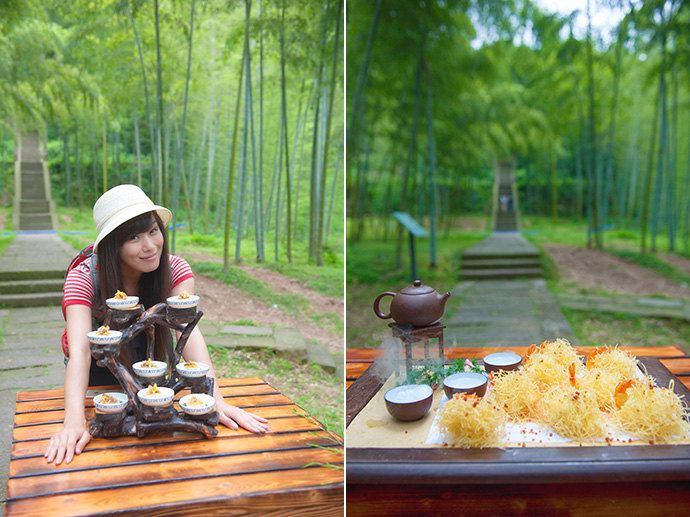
(390, 360)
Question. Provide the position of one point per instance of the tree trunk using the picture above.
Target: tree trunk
(162, 195)
(285, 134)
(432, 166)
(595, 172)
(663, 142)
(329, 117)
(233, 153)
(149, 116)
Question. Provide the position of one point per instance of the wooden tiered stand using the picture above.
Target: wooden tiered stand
(138, 419)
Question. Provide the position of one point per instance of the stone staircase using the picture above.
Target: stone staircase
(506, 221)
(31, 288)
(501, 256)
(33, 207)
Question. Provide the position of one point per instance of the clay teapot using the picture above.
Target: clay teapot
(418, 305)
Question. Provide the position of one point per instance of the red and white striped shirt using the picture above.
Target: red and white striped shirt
(78, 289)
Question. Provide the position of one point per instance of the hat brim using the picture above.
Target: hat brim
(130, 213)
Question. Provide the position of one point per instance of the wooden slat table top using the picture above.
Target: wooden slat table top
(358, 360)
(296, 468)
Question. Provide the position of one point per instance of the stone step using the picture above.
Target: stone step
(33, 217)
(30, 299)
(499, 263)
(33, 275)
(31, 166)
(31, 286)
(34, 205)
(482, 274)
(34, 227)
(500, 255)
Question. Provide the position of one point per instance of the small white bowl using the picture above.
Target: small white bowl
(112, 337)
(199, 371)
(157, 370)
(183, 303)
(209, 404)
(127, 303)
(162, 399)
(115, 407)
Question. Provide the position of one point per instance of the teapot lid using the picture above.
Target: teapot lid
(417, 288)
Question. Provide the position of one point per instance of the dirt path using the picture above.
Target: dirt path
(224, 303)
(594, 269)
(679, 263)
(283, 284)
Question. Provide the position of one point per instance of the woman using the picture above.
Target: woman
(132, 256)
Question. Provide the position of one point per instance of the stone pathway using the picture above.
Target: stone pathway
(504, 313)
(30, 353)
(677, 308)
(30, 358)
(37, 252)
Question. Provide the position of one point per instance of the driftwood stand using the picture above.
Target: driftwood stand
(138, 419)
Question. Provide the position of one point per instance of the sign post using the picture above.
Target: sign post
(414, 229)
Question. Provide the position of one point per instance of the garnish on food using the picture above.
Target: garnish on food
(191, 364)
(184, 295)
(153, 390)
(103, 331)
(148, 363)
(107, 399)
(119, 295)
(194, 401)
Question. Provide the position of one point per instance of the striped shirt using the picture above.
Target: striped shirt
(78, 289)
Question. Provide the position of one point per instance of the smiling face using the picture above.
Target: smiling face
(141, 252)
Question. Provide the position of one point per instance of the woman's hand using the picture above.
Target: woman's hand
(67, 442)
(232, 417)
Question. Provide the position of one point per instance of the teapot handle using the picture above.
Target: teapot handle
(377, 309)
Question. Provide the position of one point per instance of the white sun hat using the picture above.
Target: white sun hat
(119, 205)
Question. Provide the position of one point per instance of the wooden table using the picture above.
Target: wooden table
(637, 480)
(297, 468)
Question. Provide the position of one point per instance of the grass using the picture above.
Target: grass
(598, 328)
(371, 269)
(292, 303)
(5, 241)
(319, 392)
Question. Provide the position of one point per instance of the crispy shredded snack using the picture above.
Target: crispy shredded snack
(518, 394)
(652, 413)
(573, 413)
(470, 421)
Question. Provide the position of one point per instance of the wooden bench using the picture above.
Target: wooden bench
(296, 468)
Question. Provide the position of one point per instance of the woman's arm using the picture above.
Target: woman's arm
(74, 436)
(196, 350)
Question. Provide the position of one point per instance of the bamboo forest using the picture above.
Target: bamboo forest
(597, 121)
(227, 112)
(539, 139)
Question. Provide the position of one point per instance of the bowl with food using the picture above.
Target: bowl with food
(409, 402)
(150, 368)
(111, 402)
(197, 404)
(184, 300)
(120, 300)
(192, 369)
(465, 382)
(502, 361)
(104, 336)
(155, 396)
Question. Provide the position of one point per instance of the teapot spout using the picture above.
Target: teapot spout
(443, 298)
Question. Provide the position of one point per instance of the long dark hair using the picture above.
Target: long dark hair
(154, 287)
